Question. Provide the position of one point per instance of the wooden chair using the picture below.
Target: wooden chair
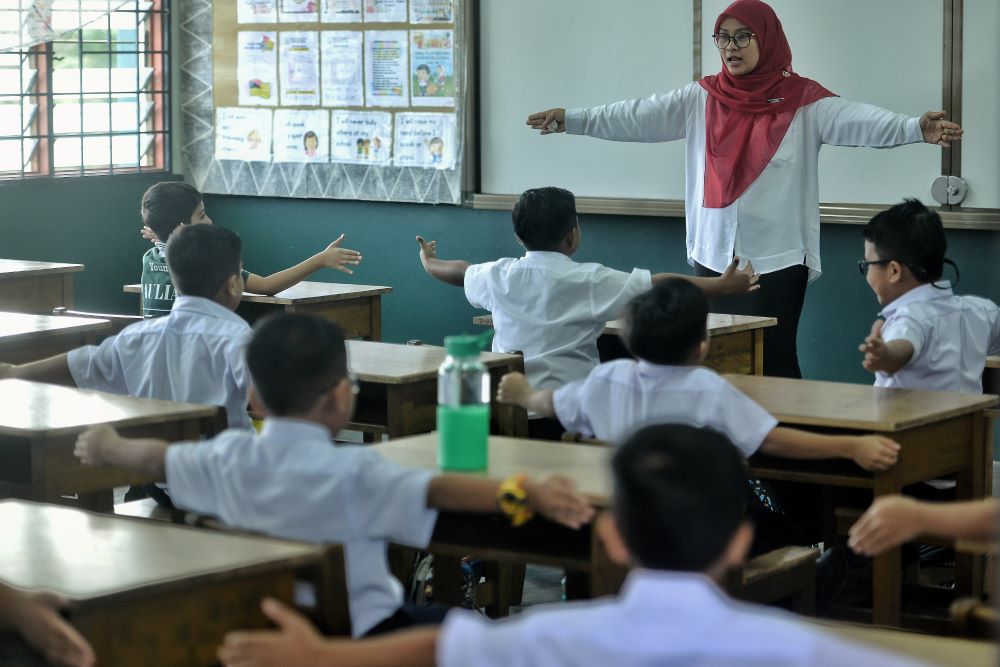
(970, 617)
(118, 322)
(784, 574)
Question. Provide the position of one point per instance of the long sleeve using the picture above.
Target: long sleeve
(660, 117)
(845, 123)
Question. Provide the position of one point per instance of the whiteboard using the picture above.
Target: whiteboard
(980, 102)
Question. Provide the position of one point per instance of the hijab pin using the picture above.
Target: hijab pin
(785, 73)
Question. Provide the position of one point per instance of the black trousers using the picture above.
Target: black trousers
(781, 295)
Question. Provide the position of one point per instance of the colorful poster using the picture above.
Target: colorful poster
(298, 11)
(300, 69)
(301, 135)
(362, 137)
(432, 11)
(425, 140)
(257, 68)
(385, 11)
(386, 80)
(433, 63)
(343, 85)
(243, 134)
(256, 11)
(341, 11)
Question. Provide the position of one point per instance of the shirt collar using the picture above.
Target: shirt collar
(547, 255)
(663, 588)
(649, 368)
(925, 292)
(290, 429)
(203, 306)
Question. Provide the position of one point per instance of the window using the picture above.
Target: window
(92, 101)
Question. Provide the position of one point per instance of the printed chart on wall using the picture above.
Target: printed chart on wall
(356, 99)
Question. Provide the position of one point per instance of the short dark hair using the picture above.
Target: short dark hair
(543, 217)
(295, 358)
(679, 496)
(425, 68)
(911, 234)
(167, 205)
(666, 323)
(201, 258)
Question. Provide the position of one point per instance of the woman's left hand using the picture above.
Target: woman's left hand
(939, 131)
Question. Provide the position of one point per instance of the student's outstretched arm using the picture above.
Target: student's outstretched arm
(871, 452)
(54, 370)
(893, 520)
(333, 257)
(451, 271)
(882, 356)
(36, 619)
(733, 281)
(297, 644)
(515, 390)
(101, 445)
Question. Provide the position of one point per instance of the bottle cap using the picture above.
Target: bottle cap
(467, 346)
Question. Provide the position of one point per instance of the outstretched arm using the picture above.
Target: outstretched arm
(733, 281)
(333, 257)
(54, 370)
(871, 452)
(514, 389)
(449, 271)
(893, 520)
(882, 356)
(101, 445)
(36, 618)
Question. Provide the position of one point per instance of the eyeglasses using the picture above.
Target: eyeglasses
(863, 264)
(740, 39)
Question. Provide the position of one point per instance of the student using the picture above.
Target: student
(677, 522)
(36, 618)
(893, 520)
(170, 204)
(548, 306)
(930, 338)
(291, 481)
(194, 355)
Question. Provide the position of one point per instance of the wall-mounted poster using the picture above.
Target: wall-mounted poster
(341, 11)
(362, 137)
(433, 63)
(425, 140)
(298, 11)
(341, 68)
(299, 68)
(257, 68)
(243, 134)
(386, 78)
(256, 11)
(431, 11)
(385, 11)
(301, 135)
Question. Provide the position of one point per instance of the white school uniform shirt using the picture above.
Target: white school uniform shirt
(666, 619)
(951, 338)
(552, 309)
(624, 395)
(291, 481)
(193, 355)
(775, 222)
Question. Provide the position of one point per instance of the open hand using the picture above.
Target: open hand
(556, 499)
(335, 257)
(549, 122)
(295, 643)
(875, 452)
(90, 444)
(874, 348)
(739, 281)
(428, 249)
(937, 130)
(889, 522)
(43, 628)
(147, 233)
(513, 389)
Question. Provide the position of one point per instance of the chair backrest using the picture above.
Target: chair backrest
(118, 322)
(971, 617)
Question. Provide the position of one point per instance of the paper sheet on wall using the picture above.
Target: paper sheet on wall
(243, 134)
(433, 76)
(301, 135)
(386, 79)
(298, 11)
(257, 68)
(362, 137)
(299, 68)
(256, 11)
(385, 11)
(341, 68)
(424, 140)
(431, 11)
(341, 11)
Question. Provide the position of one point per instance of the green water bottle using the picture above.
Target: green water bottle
(463, 413)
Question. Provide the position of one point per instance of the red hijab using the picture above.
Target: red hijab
(742, 127)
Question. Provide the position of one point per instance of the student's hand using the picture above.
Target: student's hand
(739, 281)
(543, 121)
(889, 522)
(40, 624)
(875, 452)
(295, 643)
(428, 249)
(556, 499)
(513, 389)
(335, 257)
(91, 444)
(937, 130)
(874, 348)
(148, 234)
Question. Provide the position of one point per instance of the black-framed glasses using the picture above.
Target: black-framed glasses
(863, 264)
(740, 39)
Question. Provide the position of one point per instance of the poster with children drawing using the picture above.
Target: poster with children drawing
(298, 11)
(243, 134)
(362, 137)
(301, 135)
(425, 140)
(433, 63)
(431, 11)
(257, 68)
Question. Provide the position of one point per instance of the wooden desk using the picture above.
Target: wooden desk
(356, 308)
(25, 338)
(736, 341)
(941, 433)
(145, 593)
(36, 287)
(925, 648)
(39, 424)
(399, 387)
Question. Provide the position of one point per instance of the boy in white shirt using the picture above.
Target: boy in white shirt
(292, 481)
(549, 307)
(930, 338)
(678, 522)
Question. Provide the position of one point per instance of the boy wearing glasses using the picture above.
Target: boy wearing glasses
(929, 337)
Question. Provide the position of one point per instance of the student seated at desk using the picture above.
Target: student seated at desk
(678, 522)
(291, 481)
(168, 205)
(36, 618)
(894, 520)
(548, 306)
(930, 338)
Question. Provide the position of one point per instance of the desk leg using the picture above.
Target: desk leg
(757, 352)
(375, 315)
(971, 485)
(887, 576)
(606, 576)
(67, 291)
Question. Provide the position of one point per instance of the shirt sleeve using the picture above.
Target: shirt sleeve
(467, 638)
(568, 403)
(238, 363)
(189, 468)
(611, 290)
(477, 288)
(744, 421)
(994, 347)
(846, 123)
(98, 367)
(904, 328)
(660, 117)
(395, 507)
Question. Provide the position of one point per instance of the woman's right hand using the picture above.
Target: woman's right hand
(549, 122)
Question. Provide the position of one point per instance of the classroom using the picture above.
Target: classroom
(707, 394)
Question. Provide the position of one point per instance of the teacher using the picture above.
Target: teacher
(752, 135)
